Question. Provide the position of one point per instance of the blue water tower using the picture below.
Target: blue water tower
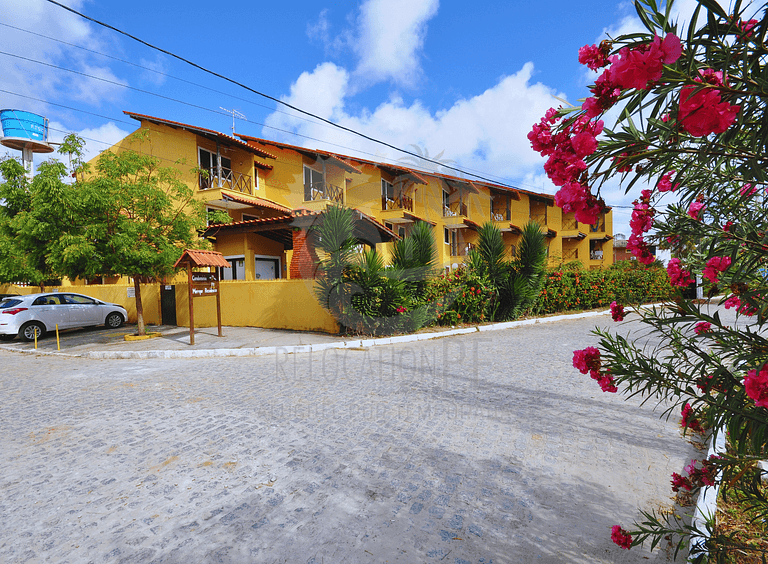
(25, 132)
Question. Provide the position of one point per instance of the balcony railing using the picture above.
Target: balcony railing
(570, 224)
(500, 215)
(599, 226)
(570, 254)
(540, 218)
(398, 203)
(323, 191)
(460, 249)
(209, 179)
(454, 209)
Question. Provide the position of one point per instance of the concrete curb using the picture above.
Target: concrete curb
(349, 344)
(706, 506)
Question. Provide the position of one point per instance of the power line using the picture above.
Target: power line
(271, 109)
(287, 132)
(267, 96)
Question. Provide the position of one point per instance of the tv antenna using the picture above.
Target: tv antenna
(235, 114)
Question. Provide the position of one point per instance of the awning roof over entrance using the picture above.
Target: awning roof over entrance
(200, 258)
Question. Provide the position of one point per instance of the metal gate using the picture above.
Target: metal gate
(168, 304)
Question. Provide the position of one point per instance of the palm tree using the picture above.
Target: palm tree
(516, 283)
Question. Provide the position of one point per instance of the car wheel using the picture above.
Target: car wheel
(7, 337)
(114, 320)
(28, 330)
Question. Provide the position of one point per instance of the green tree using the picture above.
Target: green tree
(34, 213)
(693, 131)
(133, 218)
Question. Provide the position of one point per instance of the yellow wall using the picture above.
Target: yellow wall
(272, 304)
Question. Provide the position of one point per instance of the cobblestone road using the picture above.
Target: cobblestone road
(479, 449)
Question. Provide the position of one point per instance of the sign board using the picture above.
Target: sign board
(204, 284)
(131, 292)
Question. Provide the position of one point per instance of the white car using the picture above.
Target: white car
(33, 314)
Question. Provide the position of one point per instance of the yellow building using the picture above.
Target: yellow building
(274, 192)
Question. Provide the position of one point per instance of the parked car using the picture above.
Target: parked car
(33, 314)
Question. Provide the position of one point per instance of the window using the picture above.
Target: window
(387, 195)
(447, 235)
(314, 184)
(209, 165)
(446, 203)
(401, 231)
(236, 270)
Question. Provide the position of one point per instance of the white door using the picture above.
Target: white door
(266, 269)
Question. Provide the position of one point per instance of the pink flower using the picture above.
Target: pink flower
(733, 301)
(703, 112)
(679, 481)
(606, 383)
(689, 419)
(639, 249)
(678, 276)
(746, 27)
(584, 144)
(639, 67)
(696, 209)
(587, 360)
(401, 309)
(617, 312)
(715, 266)
(748, 190)
(665, 183)
(702, 327)
(756, 386)
(594, 56)
(621, 537)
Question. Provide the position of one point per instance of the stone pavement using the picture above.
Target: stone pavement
(481, 448)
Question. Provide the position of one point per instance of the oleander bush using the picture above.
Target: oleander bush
(627, 282)
(690, 137)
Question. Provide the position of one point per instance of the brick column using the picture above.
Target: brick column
(304, 260)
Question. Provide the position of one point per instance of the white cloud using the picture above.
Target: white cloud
(486, 132)
(33, 80)
(390, 38)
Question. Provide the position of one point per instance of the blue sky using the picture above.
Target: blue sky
(465, 81)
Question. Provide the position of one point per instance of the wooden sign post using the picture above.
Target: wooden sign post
(202, 284)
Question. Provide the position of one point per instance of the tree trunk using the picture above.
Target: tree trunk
(139, 307)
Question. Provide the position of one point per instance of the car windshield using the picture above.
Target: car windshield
(9, 302)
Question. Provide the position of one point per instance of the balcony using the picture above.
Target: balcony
(570, 254)
(397, 203)
(570, 224)
(323, 191)
(455, 209)
(540, 218)
(500, 215)
(599, 226)
(209, 179)
(460, 249)
(596, 255)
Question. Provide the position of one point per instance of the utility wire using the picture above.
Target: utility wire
(267, 96)
(287, 132)
(162, 74)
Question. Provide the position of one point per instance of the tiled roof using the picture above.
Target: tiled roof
(253, 201)
(199, 257)
(205, 132)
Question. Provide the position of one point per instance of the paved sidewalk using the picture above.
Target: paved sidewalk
(480, 448)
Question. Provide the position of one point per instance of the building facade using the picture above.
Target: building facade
(274, 192)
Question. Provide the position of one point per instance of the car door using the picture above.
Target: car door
(83, 311)
(51, 311)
